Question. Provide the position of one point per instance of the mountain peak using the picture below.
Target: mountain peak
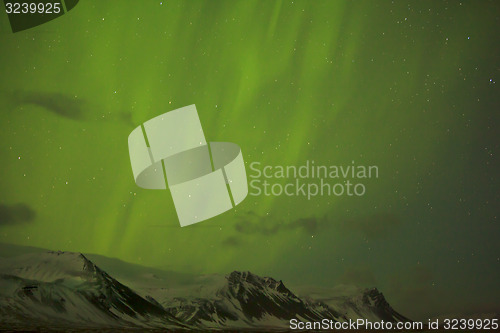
(68, 254)
(242, 283)
(375, 297)
(51, 266)
(49, 284)
(376, 300)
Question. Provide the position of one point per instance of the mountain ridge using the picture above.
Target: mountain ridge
(66, 289)
(88, 296)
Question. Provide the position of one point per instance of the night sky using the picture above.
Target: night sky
(408, 86)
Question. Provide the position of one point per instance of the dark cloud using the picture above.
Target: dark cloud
(231, 242)
(67, 106)
(257, 225)
(126, 118)
(16, 214)
(377, 226)
(308, 224)
(372, 227)
(57, 103)
(251, 223)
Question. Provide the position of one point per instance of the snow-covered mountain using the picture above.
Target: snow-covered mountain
(64, 289)
(245, 300)
(353, 302)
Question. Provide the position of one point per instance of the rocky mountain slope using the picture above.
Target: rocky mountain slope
(64, 289)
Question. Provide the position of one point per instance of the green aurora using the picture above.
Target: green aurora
(408, 86)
